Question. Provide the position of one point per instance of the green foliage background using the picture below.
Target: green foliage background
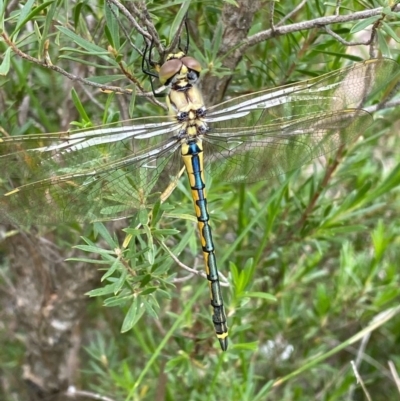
(304, 277)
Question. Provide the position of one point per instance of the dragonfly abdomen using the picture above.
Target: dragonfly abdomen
(192, 154)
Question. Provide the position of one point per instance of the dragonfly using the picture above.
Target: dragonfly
(115, 170)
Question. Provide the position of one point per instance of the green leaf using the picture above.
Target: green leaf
(111, 13)
(119, 300)
(380, 240)
(121, 281)
(2, 12)
(234, 272)
(134, 231)
(116, 264)
(23, 16)
(346, 229)
(361, 25)
(95, 249)
(101, 54)
(135, 312)
(175, 362)
(150, 254)
(100, 229)
(387, 295)
(48, 23)
(87, 260)
(148, 291)
(387, 11)
(78, 12)
(233, 2)
(27, 15)
(253, 346)
(105, 79)
(178, 19)
(217, 40)
(383, 45)
(146, 279)
(392, 181)
(132, 103)
(341, 55)
(388, 29)
(5, 64)
(322, 299)
(91, 47)
(261, 295)
(79, 106)
(166, 232)
(98, 292)
(143, 217)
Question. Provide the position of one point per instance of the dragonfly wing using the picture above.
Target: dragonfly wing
(352, 87)
(264, 134)
(100, 173)
(262, 152)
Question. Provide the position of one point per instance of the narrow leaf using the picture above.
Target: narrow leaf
(27, 15)
(135, 312)
(5, 64)
(79, 106)
(359, 26)
(178, 19)
(262, 295)
(80, 41)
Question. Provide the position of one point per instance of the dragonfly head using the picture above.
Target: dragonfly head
(179, 71)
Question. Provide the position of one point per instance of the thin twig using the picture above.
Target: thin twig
(369, 42)
(223, 282)
(180, 264)
(315, 23)
(271, 15)
(360, 380)
(359, 358)
(53, 67)
(293, 12)
(144, 18)
(361, 349)
(130, 18)
(337, 8)
(395, 375)
(375, 27)
(77, 78)
(73, 392)
(126, 33)
(131, 78)
(345, 42)
(383, 106)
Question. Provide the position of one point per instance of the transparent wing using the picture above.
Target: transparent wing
(351, 87)
(99, 173)
(256, 136)
(274, 149)
(112, 171)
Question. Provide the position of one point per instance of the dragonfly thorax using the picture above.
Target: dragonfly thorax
(184, 115)
(192, 126)
(188, 109)
(184, 101)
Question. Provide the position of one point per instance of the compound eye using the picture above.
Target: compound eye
(192, 64)
(169, 69)
(192, 76)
